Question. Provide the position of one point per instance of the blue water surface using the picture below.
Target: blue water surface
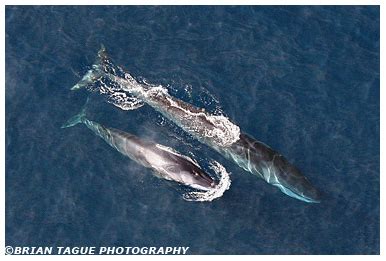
(304, 80)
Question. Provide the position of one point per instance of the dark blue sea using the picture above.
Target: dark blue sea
(302, 79)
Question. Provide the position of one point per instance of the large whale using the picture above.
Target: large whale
(250, 154)
(165, 162)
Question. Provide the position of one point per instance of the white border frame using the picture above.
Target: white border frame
(194, 2)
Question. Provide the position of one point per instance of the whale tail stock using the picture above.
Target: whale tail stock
(95, 73)
(78, 118)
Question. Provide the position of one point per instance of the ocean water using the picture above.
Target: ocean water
(302, 79)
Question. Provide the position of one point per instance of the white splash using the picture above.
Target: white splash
(223, 133)
(216, 192)
(125, 102)
(119, 98)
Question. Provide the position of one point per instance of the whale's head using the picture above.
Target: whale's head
(259, 159)
(202, 181)
(188, 173)
(291, 181)
(193, 176)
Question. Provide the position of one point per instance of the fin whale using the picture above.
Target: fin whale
(248, 153)
(164, 161)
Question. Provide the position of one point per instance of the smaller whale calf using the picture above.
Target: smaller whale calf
(164, 161)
